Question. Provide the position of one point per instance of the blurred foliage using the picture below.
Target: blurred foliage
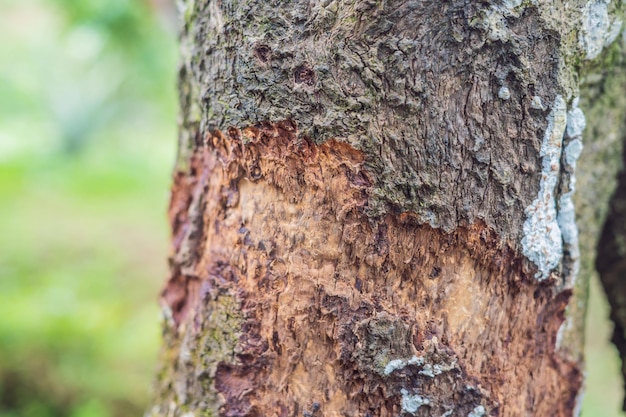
(604, 390)
(87, 142)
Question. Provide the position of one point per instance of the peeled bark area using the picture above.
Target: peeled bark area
(300, 304)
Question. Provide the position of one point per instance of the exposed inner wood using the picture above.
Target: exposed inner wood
(287, 300)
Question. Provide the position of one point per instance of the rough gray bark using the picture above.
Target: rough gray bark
(373, 209)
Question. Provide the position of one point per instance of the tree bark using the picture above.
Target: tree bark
(373, 207)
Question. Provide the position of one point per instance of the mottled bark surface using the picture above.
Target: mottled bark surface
(373, 208)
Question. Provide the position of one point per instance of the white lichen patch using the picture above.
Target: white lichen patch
(432, 370)
(567, 219)
(479, 411)
(597, 30)
(542, 242)
(394, 365)
(573, 151)
(497, 28)
(397, 364)
(434, 362)
(504, 93)
(536, 103)
(575, 121)
(412, 402)
(567, 215)
(429, 371)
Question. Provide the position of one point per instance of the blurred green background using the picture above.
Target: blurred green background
(87, 143)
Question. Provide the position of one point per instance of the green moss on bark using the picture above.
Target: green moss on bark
(190, 360)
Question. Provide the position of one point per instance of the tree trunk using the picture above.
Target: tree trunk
(373, 208)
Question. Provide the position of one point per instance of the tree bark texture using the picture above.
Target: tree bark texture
(373, 209)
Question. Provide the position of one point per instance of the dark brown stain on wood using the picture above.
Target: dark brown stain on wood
(341, 312)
